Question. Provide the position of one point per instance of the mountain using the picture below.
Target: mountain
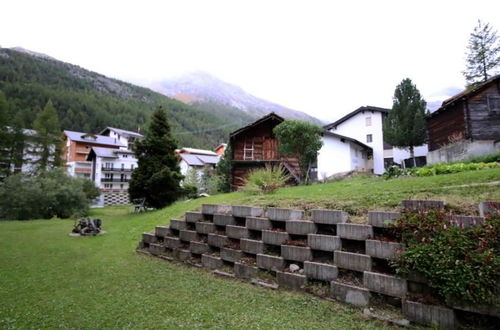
(87, 101)
(200, 87)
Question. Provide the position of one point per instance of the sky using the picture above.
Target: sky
(325, 58)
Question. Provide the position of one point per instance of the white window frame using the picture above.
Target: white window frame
(368, 121)
(247, 148)
(369, 138)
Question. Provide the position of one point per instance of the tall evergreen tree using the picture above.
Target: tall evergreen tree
(157, 176)
(47, 140)
(404, 126)
(5, 138)
(17, 144)
(224, 170)
(483, 55)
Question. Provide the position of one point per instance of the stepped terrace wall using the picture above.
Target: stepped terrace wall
(287, 248)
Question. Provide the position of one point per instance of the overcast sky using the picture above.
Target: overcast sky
(325, 58)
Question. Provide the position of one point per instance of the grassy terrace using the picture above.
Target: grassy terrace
(51, 280)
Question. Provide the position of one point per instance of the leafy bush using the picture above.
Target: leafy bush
(50, 194)
(267, 180)
(190, 191)
(437, 169)
(494, 157)
(459, 263)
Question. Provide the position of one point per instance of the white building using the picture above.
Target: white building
(111, 172)
(341, 154)
(197, 159)
(365, 125)
(128, 138)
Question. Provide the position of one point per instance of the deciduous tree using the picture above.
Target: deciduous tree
(157, 176)
(404, 126)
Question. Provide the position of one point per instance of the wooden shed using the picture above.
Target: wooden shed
(254, 146)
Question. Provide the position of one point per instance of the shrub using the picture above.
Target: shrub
(266, 180)
(437, 169)
(50, 194)
(459, 263)
(190, 191)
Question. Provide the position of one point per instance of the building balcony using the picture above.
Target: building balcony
(116, 169)
(115, 180)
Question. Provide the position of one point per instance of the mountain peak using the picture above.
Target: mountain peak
(32, 53)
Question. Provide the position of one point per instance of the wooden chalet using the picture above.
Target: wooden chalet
(467, 124)
(254, 146)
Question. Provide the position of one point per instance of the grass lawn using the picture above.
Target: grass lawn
(51, 280)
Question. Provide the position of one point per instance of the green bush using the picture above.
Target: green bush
(494, 157)
(267, 180)
(190, 191)
(460, 263)
(436, 169)
(51, 194)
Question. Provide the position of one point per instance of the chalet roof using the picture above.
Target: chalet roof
(199, 160)
(464, 95)
(270, 116)
(354, 113)
(341, 137)
(107, 152)
(92, 138)
(121, 132)
(196, 151)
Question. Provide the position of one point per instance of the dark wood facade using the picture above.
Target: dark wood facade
(473, 115)
(254, 146)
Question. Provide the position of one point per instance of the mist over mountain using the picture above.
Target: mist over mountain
(200, 87)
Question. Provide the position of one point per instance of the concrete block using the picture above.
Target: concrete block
(231, 254)
(329, 217)
(320, 271)
(182, 255)
(224, 220)
(352, 261)
(211, 262)
(217, 240)
(354, 231)
(205, 227)
(149, 238)
(236, 232)
(429, 315)
(193, 216)
(278, 214)
(290, 280)
(274, 237)
(486, 208)
(155, 249)
(215, 209)
(198, 247)
(324, 242)
(251, 246)
(412, 204)
(350, 294)
(247, 211)
(383, 250)
(162, 231)
(296, 253)
(382, 219)
(188, 235)
(466, 221)
(178, 224)
(258, 223)
(172, 242)
(301, 227)
(385, 284)
(245, 271)
(269, 262)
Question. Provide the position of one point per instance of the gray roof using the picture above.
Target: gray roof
(199, 160)
(105, 152)
(99, 139)
(354, 113)
(346, 138)
(121, 132)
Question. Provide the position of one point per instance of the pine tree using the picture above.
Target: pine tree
(47, 140)
(5, 138)
(483, 55)
(224, 171)
(404, 126)
(17, 145)
(157, 176)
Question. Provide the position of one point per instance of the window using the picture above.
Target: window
(123, 167)
(368, 121)
(108, 186)
(109, 165)
(125, 156)
(369, 138)
(248, 150)
(494, 103)
(121, 186)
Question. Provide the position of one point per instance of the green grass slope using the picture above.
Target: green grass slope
(87, 101)
(51, 280)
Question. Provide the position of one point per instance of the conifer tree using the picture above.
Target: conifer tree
(17, 144)
(5, 138)
(47, 144)
(157, 176)
(224, 171)
(404, 126)
(483, 55)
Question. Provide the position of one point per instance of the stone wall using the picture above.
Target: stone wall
(288, 248)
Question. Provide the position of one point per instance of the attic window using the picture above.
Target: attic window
(494, 103)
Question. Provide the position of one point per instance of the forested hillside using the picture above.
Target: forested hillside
(87, 101)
